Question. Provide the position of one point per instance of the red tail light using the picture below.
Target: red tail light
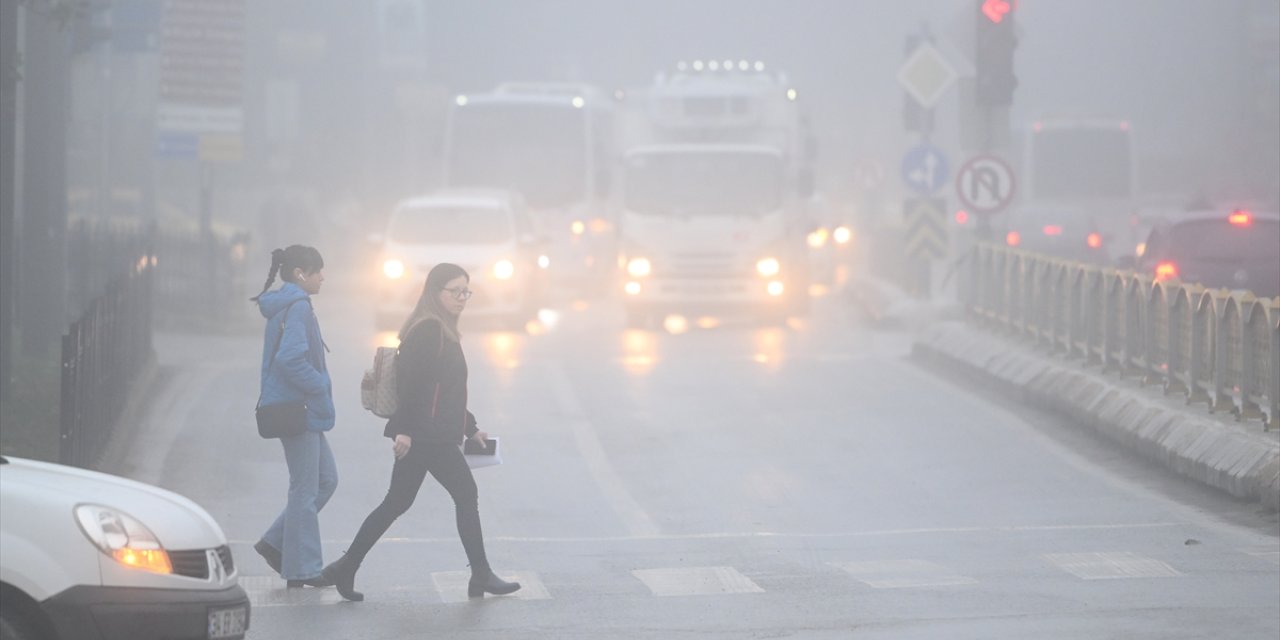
(1166, 271)
(1094, 240)
(1052, 230)
(962, 216)
(1013, 238)
(1240, 218)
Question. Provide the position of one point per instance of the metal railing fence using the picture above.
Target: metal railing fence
(1213, 346)
(103, 355)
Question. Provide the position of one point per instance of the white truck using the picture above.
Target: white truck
(716, 168)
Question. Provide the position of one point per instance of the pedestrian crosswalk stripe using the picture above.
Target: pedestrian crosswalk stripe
(696, 581)
(1108, 566)
(901, 574)
(270, 591)
(452, 585)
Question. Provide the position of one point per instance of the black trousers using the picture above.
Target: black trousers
(446, 463)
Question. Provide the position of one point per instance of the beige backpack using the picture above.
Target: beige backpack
(378, 388)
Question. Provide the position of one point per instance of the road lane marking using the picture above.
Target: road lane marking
(1266, 554)
(633, 516)
(902, 574)
(452, 585)
(696, 581)
(1110, 566)
(728, 535)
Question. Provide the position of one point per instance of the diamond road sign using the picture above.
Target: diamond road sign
(926, 75)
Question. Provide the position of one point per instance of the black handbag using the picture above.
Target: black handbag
(285, 419)
(282, 420)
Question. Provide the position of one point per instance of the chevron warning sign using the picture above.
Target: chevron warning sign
(926, 227)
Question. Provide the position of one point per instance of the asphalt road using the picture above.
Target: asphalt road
(734, 482)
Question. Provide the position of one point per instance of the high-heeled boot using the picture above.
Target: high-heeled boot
(342, 572)
(489, 582)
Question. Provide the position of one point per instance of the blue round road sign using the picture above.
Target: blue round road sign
(925, 169)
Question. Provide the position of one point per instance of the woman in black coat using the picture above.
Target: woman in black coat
(428, 429)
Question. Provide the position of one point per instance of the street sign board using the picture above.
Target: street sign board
(926, 75)
(985, 184)
(202, 77)
(925, 169)
(926, 223)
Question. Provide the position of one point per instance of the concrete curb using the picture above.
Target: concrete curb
(1238, 458)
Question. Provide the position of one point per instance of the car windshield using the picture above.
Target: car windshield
(450, 225)
(721, 183)
(1219, 241)
(538, 150)
(1081, 163)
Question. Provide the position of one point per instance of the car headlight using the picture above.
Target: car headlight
(818, 237)
(393, 269)
(639, 267)
(768, 267)
(123, 538)
(842, 235)
(544, 261)
(503, 270)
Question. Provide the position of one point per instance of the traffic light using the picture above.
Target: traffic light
(995, 41)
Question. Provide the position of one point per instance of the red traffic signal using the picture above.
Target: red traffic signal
(995, 10)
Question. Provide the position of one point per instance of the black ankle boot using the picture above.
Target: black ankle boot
(318, 581)
(342, 573)
(488, 582)
(268, 553)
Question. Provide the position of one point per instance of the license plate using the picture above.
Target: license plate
(227, 623)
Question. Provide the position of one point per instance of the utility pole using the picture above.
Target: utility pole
(46, 90)
(9, 65)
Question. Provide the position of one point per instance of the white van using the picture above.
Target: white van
(89, 555)
(488, 233)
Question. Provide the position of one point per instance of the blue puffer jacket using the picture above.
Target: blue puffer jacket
(298, 372)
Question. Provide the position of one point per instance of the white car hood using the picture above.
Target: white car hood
(178, 522)
(424, 256)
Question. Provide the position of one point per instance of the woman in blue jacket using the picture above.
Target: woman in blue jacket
(292, 372)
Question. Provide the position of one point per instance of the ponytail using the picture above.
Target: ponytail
(277, 260)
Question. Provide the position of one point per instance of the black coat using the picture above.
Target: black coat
(431, 388)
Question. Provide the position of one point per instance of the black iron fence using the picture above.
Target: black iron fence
(122, 276)
(1218, 347)
(103, 355)
(198, 278)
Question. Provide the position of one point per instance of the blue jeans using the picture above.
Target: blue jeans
(313, 476)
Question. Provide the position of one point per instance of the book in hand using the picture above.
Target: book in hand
(482, 456)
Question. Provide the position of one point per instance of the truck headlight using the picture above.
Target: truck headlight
(503, 270)
(123, 538)
(768, 267)
(639, 267)
(393, 269)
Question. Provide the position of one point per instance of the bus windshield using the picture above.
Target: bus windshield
(1072, 163)
(539, 150)
(720, 183)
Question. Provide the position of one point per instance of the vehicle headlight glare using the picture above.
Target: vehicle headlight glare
(843, 235)
(123, 538)
(503, 270)
(393, 269)
(768, 267)
(639, 267)
(544, 261)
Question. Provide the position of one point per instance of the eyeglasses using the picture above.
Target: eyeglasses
(459, 294)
